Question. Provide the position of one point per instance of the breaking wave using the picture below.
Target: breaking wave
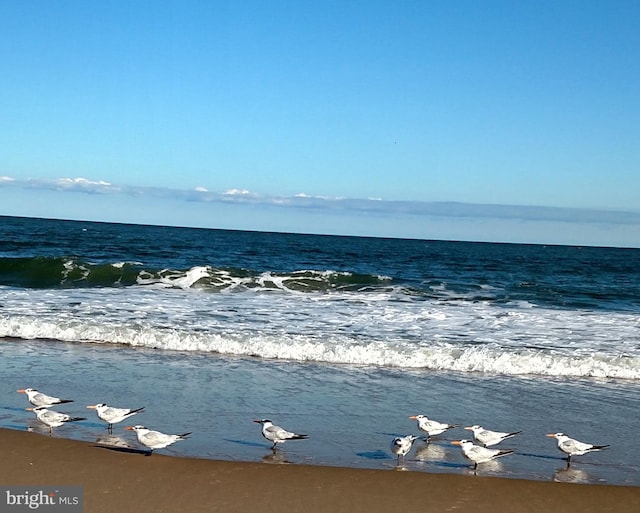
(61, 272)
(439, 356)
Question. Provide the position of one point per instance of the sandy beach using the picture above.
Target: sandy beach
(117, 480)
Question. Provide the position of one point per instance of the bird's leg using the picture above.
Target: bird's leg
(110, 428)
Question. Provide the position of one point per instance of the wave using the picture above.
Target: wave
(63, 272)
(442, 356)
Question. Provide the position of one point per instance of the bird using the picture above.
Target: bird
(432, 427)
(488, 438)
(478, 454)
(39, 399)
(155, 439)
(112, 415)
(572, 447)
(52, 418)
(276, 434)
(401, 445)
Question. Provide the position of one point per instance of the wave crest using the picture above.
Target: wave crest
(62, 272)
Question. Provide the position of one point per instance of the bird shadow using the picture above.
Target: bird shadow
(126, 450)
(247, 443)
(374, 455)
(393, 435)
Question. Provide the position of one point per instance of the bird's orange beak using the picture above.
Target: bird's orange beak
(93, 407)
(21, 391)
(29, 409)
(414, 417)
(551, 435)
(129, 428)
(469, 428)
(457, 442)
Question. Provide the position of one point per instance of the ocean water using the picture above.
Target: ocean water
(342, 338)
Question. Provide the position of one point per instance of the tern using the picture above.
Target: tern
(401, 445)
(572, 447)
(52, 418)
(478, 454)
(39, 399)
(276, 434)
(112, 415)
(432, 427)
(488, 438)
(155, 439)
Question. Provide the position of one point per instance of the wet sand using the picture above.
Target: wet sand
(124, 480)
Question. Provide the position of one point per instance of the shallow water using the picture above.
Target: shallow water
(351, 413)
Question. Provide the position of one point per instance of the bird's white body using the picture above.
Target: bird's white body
(52, 418)
(401, 445)
(155, 439)
(112, 415)
(488, 438)
(39, 399)
(573, 447)
(478, 454)
(432, 427)
(276, 434)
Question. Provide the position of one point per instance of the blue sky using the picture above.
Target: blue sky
(466, 120)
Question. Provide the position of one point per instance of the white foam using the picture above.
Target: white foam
(446, 357)
(373, 329)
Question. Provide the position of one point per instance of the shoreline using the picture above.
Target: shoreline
(121, 480)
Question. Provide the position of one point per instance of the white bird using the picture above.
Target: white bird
(478, 454)
(112, 415)
(155, 439)
(487, 438)
(39, 399)
(432, 427)
(572, 447)
(401, 445)
(52, 418)
(276, 434)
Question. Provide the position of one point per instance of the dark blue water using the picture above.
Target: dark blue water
(560, 276)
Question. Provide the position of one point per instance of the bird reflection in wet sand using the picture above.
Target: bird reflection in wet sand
(276, 458)
(114, 441)
(430, 452)
(572, 475)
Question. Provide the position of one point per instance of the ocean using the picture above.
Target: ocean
(341, 338)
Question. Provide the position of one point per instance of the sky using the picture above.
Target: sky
(458, 120)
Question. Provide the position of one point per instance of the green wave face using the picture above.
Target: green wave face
(61, 272)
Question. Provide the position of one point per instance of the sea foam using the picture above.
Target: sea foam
(341, 350)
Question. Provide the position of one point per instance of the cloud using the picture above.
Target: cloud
(85, 185)
(63, 184)
(369, 206)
